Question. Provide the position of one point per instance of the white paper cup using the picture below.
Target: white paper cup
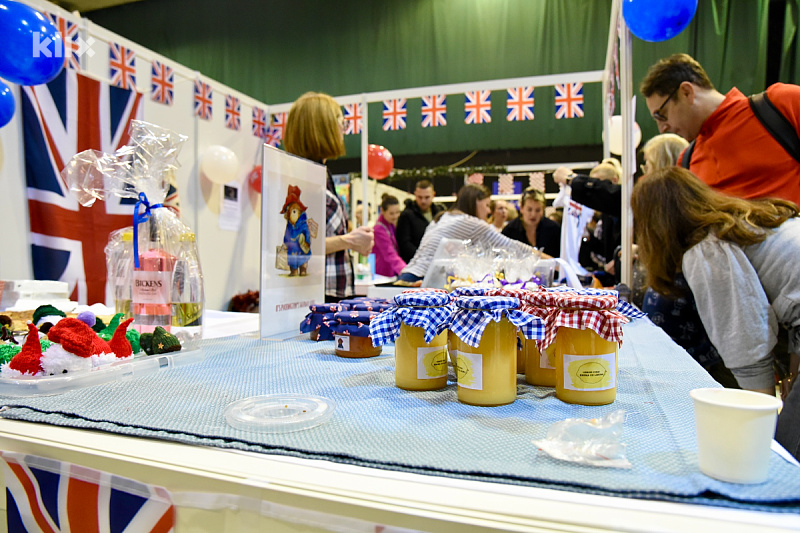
(734, 432)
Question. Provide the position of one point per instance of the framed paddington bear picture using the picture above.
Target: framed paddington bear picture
(292, 240)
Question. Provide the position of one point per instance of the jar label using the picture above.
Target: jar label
(594, 372)
(342, 342)
(151, 286)
(469, 370)
(547, 360)
(431, 362)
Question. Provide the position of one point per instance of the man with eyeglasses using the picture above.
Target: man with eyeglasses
(733, 151)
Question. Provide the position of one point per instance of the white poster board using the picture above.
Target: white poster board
(292, 240)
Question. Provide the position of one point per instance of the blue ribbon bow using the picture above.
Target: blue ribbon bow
(139, 218)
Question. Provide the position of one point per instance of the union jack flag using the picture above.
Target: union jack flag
(434, 110)
(122, 66)
(520, 103)
(51, 496)
(69, 34)
(272, 137)
(478, 107)
(569, 100)
(203, 98)
(279, 124)
(352, 117)
(71, 114)
(163, 83)
(394, 114)
(260, 126)
(505, 184)
(233, 113)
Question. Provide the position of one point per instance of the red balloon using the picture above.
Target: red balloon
(254, 179)
(379, 162)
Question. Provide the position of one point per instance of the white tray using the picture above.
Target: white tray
(137, 367)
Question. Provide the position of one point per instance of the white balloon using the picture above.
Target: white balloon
(615, 135)
(219, 164)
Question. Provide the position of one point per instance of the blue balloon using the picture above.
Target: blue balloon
(32, 50)
(7, 104)
(655, 21)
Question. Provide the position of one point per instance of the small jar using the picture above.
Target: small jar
(586, 367)
(486, 366)
(351, 334)
(418, 327)
(318, 314)
(540, 369)
(586, 332)
(526, 346)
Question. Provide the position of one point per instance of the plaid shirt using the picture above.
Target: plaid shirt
(338, 266)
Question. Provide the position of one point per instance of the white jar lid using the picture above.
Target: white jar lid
(279, 413)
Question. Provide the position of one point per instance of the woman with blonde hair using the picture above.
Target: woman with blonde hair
(532, 227)
(315, 131)
(662, 151)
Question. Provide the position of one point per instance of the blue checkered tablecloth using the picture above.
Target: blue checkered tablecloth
(378, 425)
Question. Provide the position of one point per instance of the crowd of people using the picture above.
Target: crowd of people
(716, 223)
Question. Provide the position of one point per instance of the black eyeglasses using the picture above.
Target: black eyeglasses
(657, 113)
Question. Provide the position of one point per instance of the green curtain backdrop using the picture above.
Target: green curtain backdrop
(275, 51)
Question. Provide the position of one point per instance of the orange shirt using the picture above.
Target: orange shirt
(735, 154)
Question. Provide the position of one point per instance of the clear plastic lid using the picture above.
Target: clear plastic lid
(279, 413)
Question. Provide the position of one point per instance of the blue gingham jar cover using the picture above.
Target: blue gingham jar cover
(625, 308)
(475, 312)
(429, 310)
(469, 290)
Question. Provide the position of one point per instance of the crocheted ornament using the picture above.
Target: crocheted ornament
(164, 341)
(108, 332)
(146, 343)
(47, 313)
(77, 338)
(29, 359)
(133, 337)
(88, 318)
(119, 343)
(99, 325)
(8, 351)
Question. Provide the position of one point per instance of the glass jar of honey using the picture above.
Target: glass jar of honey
(486, 367)
(540, 368)
(526, 341)
(319, 313)
(586, 367)
(585, 331)
(351, 334)
(418, 326)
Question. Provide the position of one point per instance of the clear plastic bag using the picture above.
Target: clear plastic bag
(161, 242)
(594, 442)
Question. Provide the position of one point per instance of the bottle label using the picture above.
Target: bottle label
(342, 342)
(547, 359)
(151, 287)
(469, 370)
(594, 372)
(431, 362)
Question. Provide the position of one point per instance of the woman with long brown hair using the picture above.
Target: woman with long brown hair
(739, 258)
(466, 220)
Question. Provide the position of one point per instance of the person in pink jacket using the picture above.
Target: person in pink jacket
(387, 258)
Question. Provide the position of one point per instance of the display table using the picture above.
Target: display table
(413, 460)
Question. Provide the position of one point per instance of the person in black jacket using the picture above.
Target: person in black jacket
(415, 219)
(532, 227)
